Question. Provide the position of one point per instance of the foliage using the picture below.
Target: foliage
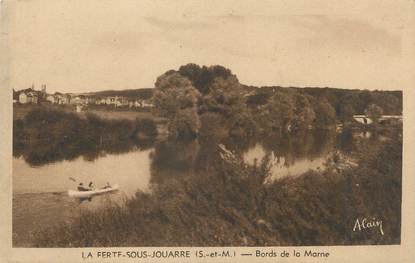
(304, 114)
(212, 125)
(203, 77)
(176, 98)
(48, 135)
(173, 93)
(225, 98)
(346, 112)
(235, 204)
(268, 109)
(277, 114)
(130, 93)
(145, 127)
(325, 114)
(374, 112)
(185, 124)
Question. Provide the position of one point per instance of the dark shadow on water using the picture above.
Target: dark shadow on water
(38, 155)
(44, 136)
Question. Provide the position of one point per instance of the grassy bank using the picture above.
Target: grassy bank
(233, 204)
(104, 112)
(45, 135)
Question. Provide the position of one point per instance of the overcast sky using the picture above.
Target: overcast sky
(76, 46)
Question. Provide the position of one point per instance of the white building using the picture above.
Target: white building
(51, 98)
(364, 119)
(28, 97)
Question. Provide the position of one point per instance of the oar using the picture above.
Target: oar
(72, 179)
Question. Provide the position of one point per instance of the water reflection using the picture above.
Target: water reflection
(138, 166)
(40, 192)
(148, 166)
(38, 153)
(131, 170)
(294, 154)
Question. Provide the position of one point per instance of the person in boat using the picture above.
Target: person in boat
(81, 187)
(107, 186)
(91, 186)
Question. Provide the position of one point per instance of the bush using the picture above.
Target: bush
(145, 128)
(235, 204)
(49, 135)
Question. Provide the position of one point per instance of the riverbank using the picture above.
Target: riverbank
(21, 110)
(231, 203)
(45, 135)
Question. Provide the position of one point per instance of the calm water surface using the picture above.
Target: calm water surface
(40, 197)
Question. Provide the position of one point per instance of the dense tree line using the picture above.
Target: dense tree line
(210, 100)
(44, 135)
(130, 93)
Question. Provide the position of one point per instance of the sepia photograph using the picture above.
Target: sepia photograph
(236, 125)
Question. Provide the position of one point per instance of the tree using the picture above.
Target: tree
(185, 124)
(213, 125)
(374, 112)
(277, 114)
(346, 112)
(203, 77)
(176, 99)
(325, 114)
(303, 112)
(226, 99)
(390, 103)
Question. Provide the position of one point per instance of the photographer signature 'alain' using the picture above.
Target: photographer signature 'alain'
(365, 224)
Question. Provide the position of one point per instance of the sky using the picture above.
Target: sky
(80, 46)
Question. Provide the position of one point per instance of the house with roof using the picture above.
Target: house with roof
(51, 98)
(63, 98)
(58, 98)
(121, 102)
(100, 101)
(364, 119)
(91, 100)
(78, 99)
(28, 96)
(147, 103)
(111, 100)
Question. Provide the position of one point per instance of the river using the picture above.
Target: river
(40, 197)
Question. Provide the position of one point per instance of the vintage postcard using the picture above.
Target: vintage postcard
(207, 131)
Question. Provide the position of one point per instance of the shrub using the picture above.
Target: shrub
(145, 128)
(50, 135)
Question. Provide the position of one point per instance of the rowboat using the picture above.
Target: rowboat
(87, 194)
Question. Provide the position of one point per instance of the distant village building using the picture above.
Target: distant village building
(58, 98)
(63, 98)
(90, 100)
(32, 96)
(43, 94)
(78, 99)
(364, 119)
(137, 103)
(121, 102)
(101, 101)
(111, 100)
(147, 103)
(51, 98)
(28, 97)
(133, 103)
(79, 108)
